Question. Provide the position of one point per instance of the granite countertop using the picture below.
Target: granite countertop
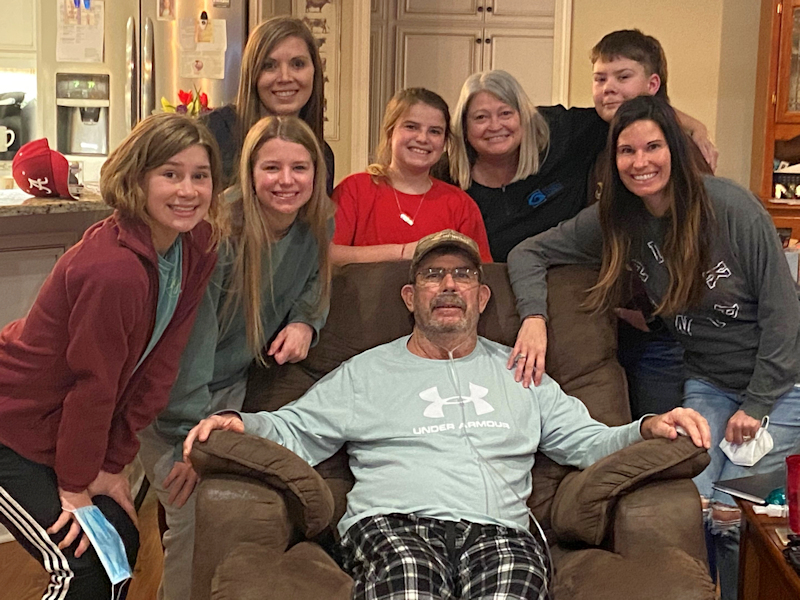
(15, 203)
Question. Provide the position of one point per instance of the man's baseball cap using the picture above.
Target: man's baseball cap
(40, 171)
(446, 238)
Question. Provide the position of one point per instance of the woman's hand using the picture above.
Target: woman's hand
(292, 343)
(117, 488)
(741, 428)
(180, 482)
(201, 431)
(69, 502)
(407, 250)
(529, 351)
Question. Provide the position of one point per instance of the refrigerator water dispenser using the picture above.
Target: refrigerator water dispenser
(82, 102)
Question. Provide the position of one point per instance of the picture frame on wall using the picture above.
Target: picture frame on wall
(323, 18)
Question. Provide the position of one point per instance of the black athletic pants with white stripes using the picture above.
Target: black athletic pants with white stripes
(29, 504)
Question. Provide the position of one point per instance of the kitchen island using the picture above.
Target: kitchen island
(34, 233)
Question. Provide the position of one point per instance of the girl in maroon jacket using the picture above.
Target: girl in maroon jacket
(94, 360)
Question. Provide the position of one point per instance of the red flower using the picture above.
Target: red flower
(204, 100)
(185, 97)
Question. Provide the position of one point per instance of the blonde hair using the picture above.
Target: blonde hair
(152, 143)
(260, 44)
(250, 234)
(535, 132)
(396, 108)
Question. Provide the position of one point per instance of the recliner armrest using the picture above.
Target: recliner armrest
(246, 455)
(585, 500)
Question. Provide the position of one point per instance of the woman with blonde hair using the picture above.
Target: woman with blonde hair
(93, 361)
(268, 298)
(712, 266)
(382, 213)
(281, 75)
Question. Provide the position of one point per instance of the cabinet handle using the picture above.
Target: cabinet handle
(488, 40)
(480, 9)
(488, 9)
(478, 41)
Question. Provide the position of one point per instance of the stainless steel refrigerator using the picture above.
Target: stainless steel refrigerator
(146, 57)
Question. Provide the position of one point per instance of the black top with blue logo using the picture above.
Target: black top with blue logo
(554, 194)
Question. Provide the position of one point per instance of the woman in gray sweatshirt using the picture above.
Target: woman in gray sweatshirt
(710, 260)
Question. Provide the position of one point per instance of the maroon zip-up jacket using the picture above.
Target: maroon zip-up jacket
(69, 396)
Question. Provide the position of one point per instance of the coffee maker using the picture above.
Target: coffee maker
(82, 101)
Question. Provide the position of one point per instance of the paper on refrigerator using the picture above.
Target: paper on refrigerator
(79, 37)
(202, 50)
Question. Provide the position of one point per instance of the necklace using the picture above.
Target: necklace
(409, 220)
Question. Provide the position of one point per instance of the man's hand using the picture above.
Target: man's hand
(529, 351)
(117, 488)
(741, 428)
(292, 343)
(707, 147)
(227, 422)
(180, 482)
(665, 426)
(69, 502)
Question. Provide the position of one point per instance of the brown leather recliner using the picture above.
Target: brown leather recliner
(628, 527)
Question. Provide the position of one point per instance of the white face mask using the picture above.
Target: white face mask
(750, 452)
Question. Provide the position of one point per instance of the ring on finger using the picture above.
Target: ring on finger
(520, 356)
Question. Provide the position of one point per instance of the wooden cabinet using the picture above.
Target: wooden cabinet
(776, 127)
(437, 44)
(25, 262)
(19, 28)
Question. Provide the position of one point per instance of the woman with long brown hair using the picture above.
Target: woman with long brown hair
(281, 75)
(383, 212)
(712, 265)
(268, 298)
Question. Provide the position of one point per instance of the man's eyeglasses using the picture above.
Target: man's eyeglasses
(462, 276)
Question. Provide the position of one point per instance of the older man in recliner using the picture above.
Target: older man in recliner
(438, 434)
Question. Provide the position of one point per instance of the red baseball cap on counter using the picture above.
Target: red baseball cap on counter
(40, 171)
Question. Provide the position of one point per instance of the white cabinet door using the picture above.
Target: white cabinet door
(463, 9)
(18, 27)
(505, 10)
(527, 55)
(22, 273)
(437, 58)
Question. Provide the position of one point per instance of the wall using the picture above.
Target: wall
(711, 48)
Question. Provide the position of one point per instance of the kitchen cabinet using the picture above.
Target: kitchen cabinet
(437, 44)
(25, 262)
(19, 28)
(776, 126)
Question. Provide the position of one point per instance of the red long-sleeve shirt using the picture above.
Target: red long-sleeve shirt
(69, 396)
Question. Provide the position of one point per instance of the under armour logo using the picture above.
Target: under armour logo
(656, 252)
(639, 267)
(683, 324)
(39, 184)
(721, 271)
(729, 311)
(477, 395)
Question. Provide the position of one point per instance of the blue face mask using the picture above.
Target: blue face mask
(106, 542)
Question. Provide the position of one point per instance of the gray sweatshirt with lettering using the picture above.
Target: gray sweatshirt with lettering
(443, 439)
(745, 334)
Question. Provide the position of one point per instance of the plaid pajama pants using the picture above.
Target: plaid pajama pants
(405, 557)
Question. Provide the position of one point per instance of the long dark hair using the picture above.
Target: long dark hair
(686, 243)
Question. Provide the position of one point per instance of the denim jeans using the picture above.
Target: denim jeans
(653, 363)
(717, 406)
